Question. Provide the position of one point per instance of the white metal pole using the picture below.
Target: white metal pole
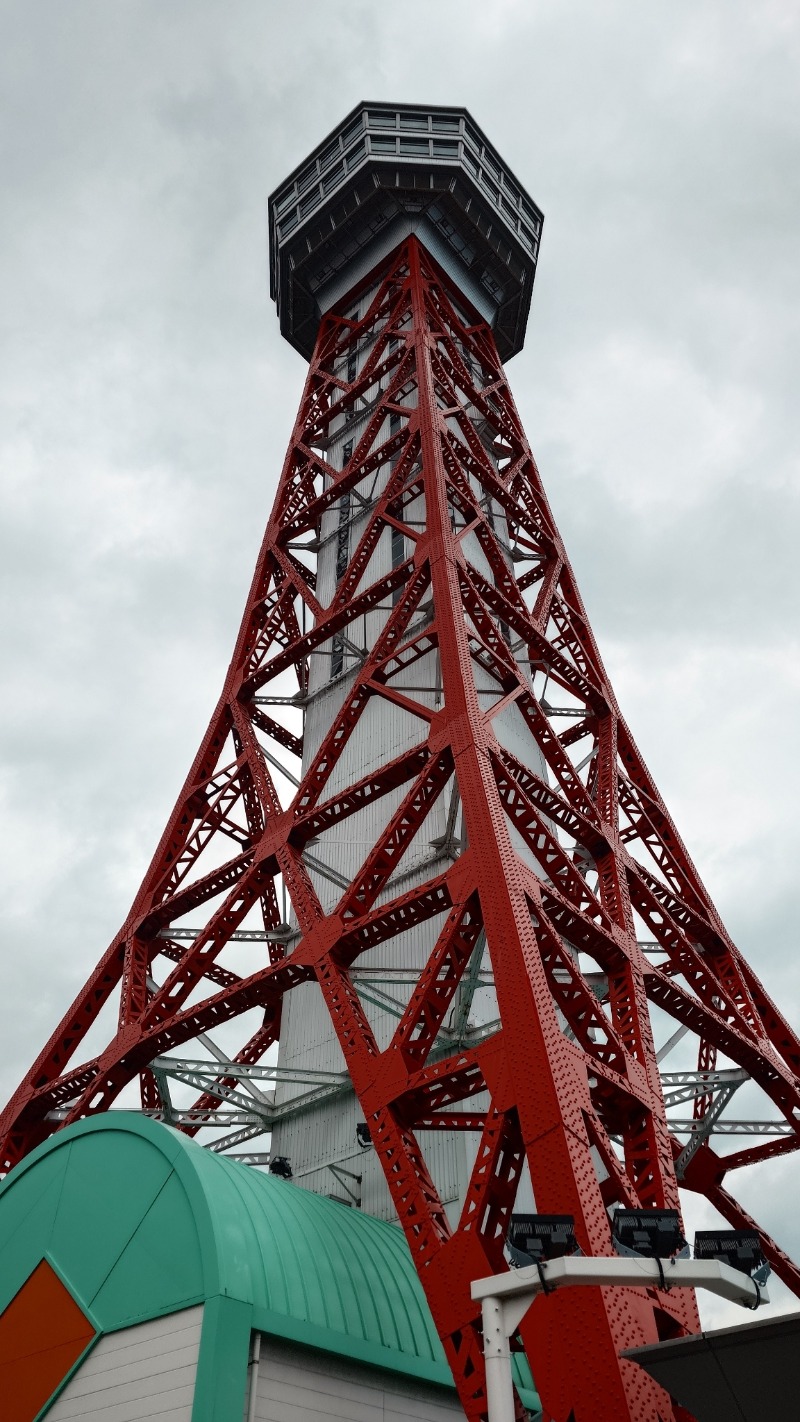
(252, 1377)
(497, 1355)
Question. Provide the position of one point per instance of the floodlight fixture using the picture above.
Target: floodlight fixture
(740, 1248)
(363, 1134)
(649, 1234)
(280, 1166)
(534, 1238)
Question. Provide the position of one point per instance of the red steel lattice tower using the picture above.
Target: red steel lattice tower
(412, 577)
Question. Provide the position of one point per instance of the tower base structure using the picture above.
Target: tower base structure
(419, 818)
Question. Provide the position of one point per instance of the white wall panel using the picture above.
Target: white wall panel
(141, 1372)
(299, 1385)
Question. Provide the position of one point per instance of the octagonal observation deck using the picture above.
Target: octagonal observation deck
(386, 171)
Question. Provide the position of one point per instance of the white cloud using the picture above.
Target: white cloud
(654, 430)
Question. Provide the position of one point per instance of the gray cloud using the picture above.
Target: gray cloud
(146, 400)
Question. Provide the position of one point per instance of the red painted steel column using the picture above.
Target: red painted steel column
(547, 1085)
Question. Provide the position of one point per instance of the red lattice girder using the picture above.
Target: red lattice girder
(564, 855)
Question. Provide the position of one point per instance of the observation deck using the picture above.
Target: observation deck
(386, 171)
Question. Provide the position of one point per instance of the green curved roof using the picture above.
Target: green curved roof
(140, 1221)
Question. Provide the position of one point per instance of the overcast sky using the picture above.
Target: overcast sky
(146, 398)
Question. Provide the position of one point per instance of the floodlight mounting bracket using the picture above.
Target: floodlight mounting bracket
(506, 1298)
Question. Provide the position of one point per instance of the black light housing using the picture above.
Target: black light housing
(279, 1165)
(741, 1248)
(533, 1238)
(363, 1134)
(649, 1234)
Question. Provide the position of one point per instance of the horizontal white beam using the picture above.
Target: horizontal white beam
(518, 1288)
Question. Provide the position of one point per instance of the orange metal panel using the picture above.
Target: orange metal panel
(42, 1334)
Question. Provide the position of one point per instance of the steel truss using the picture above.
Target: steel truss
(559, 873)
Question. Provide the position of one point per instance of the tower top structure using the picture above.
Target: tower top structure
(388, 170)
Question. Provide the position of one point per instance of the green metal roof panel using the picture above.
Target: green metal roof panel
(162, 1259)
(112, 1190)
(102, 1186)
(26, 1221)
(140, 1221)
(294, 1252)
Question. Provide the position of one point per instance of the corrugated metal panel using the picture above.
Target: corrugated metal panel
(146, 1371)
(513, 733)
(476, 556)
